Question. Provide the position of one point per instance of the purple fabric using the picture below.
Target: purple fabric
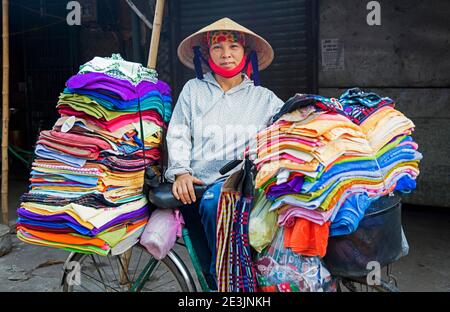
(123, 88)
(131, 215)
(64, 217)
(34, 216)
(292, 186)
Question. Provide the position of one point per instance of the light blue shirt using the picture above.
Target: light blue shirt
(210, 127)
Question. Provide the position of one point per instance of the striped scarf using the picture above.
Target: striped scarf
(235, 272)
(243, 275)
(227, 202)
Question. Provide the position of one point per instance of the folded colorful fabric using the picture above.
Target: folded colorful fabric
(322, 162)
(86, 182)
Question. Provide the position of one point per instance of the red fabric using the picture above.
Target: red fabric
(307, 238)
(149, 154)
(74, 140)
(46, 229)
(73, 144)
(272, 288)
(85, 152)
(115, 123)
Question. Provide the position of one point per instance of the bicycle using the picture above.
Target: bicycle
(138, 271)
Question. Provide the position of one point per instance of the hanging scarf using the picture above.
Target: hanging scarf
(234, 267)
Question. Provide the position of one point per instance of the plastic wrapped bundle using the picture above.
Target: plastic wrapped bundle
(279, 269)
(263, 223)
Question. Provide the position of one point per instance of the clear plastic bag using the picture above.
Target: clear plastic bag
(161, 232)
(279, 269)
(263, 223)
(405, 245)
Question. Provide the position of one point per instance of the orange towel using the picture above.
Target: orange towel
(66, 238)
(307, 238)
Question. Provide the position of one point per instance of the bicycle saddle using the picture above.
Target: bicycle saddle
(162, 195)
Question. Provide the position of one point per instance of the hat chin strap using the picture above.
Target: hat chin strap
(251, 62)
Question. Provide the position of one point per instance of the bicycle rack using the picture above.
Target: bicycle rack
(390, 276)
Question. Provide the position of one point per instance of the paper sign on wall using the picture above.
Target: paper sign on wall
(332, 54)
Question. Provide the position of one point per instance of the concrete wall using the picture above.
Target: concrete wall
(406, 58)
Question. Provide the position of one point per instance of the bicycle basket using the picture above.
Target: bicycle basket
(378, 238)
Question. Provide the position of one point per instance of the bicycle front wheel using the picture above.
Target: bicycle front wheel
(134, 270)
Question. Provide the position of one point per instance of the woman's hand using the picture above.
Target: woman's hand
(183, 188)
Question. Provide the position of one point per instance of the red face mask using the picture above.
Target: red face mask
(227, 73)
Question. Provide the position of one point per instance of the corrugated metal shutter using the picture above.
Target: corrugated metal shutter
(49, 59)
(286, 24)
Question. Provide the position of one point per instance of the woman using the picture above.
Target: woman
(216, 117)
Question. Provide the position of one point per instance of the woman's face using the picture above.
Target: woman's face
(226, 54)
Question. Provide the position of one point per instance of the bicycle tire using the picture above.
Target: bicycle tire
(172, 262)
(350, 284)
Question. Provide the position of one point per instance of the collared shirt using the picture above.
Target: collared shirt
(210, 127)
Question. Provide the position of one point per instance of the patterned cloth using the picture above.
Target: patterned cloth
(235, 272)
(217, 36)
(116, 67)
(357, 96)
(124, 164)
(242, 275)
(355, 106)
(89, 200)
(227, 202)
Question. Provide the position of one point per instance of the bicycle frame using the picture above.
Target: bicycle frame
(152, 264)
(145, 274)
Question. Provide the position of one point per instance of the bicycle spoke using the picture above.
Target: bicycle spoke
(112, 268)
(84, 288)
(167, 271)
(100, 273)
(137, 265)
(160, 285)
(99, 285)
(103, 265)
(93, 278)
(97, 268)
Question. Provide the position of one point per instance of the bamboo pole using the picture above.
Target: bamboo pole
(5, 111)
(156, 31)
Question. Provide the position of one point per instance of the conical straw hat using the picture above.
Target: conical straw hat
(252, 41)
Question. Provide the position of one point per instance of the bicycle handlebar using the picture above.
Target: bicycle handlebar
(230, 166)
